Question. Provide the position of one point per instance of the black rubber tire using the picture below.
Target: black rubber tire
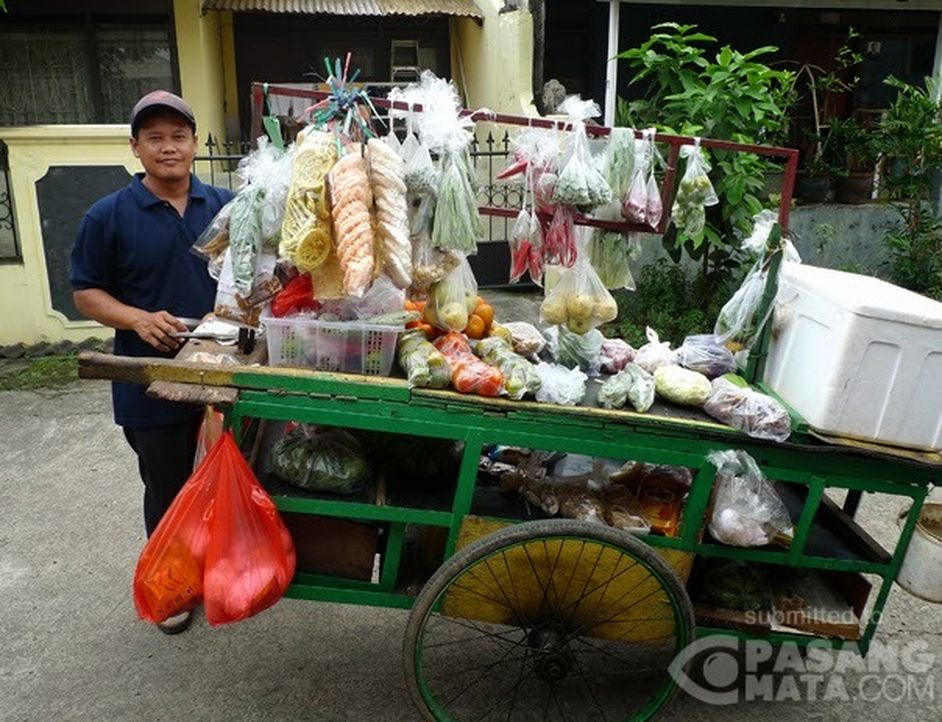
(523, 532)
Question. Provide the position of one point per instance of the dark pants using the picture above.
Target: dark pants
(165, 459)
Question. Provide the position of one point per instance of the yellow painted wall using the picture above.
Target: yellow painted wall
(26, 313)
(200, 59)
(492, 62)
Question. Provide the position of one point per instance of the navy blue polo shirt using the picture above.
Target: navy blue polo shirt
(137, 248)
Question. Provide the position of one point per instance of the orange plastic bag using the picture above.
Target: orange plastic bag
(168, 578)
(250, 558)
(211, 428)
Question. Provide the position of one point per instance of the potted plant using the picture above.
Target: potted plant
(816, 177)
(853, 144)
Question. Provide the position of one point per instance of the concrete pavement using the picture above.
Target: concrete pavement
(71, 646)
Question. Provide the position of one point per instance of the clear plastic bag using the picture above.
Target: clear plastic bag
(655, 352)
(616, 354)
(761, 228)
(694, 194)
(579, 300)
(519, 376)
(430, 265)
(526, 240)
(421, 175)
(329, 460)
(744, 408)
(737, 323)
(610, 253)
(619, 161)
(305, 228)
(526, 338)
(579, 182)
(391, 219)
(704, 354)
(457, 224)
(632, 384)
(559, 385)
(453, 299)
(559, 242)
(352, 202)
(214, 240)
(268, 169)
(582, 350)
(470, 375)
(424, 365)
(747, 510)
(642, 203)
(681, 385)
(232, 305)
(245, 238)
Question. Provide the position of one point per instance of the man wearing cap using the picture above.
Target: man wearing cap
(132, 269)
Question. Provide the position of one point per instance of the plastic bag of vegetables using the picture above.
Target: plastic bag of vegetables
(526, 338)
(469, 374)
(519, 376)
(747, 510)
(737, 324)
(582, 350)
(618, 161)
(580, 183)
(425, 366)
(579, 300)
(694, 194)
(559, 385)
(632, 384)
(610, 253)
(681, 386)
(643, 204)
(452, 300)
(655, 352)
(320, 460)
(457, 224)
(616, 354)
(733, 402)
(704, 354)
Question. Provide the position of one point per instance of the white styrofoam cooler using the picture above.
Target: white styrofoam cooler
(858, 357)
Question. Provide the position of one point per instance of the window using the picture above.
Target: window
(9, 248)
(81, 72)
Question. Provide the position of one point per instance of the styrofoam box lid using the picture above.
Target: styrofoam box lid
(865, 295)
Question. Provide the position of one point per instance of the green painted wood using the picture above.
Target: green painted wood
(389, 572)
(755, 367)
(697, 501)
(464, 491)
(806, 520)
(362, 511)
(349, 596)
(802, 640)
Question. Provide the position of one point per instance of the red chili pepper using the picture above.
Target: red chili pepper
(297, 295)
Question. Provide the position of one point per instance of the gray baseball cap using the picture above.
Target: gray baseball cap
(160, 99)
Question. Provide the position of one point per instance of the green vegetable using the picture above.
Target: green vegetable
(519, 377)
(245, 238)
(681, 386)
(424, 365)
(632, 384)
(580, 349)
(395, 318)
(457, 224)
(609, 254)
(320, 460)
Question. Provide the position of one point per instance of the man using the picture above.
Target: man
(132, 269)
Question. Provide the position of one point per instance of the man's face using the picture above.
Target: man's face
(165, 144)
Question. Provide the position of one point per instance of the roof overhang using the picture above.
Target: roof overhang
(351, 7)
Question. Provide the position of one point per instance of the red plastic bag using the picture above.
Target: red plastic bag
(169, 574)
(469, 374)
(250, 558)
(211, 428)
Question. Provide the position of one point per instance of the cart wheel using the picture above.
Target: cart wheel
(548, 620)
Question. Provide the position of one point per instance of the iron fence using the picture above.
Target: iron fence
(218, 166)
(9, 243)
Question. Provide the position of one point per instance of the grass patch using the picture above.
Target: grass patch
(36, 373)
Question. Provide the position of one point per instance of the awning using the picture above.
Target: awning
(352, 7)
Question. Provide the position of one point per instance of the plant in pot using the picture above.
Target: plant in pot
(816, 177)
(855, 145)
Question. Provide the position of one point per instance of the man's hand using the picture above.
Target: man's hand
(155, 329)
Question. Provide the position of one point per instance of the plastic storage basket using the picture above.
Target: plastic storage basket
(349, 346)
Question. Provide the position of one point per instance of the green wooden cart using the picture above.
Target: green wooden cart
(556, 619)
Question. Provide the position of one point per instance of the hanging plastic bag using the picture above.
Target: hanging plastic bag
(168, 578)
(421, 175)
(297, 296)
(211, 428)
(392, 140)
(559, 242)
(579, 299)
(250, 558)
(457, 224)
(470, 375)
(305, 227)
(694, 194)
(580, 183)
(704, 353)
(411, 144)
(616, 354)
(610, 253)
(453, 299)
(632, 384)
(762, 224)
(519, 243)
(213, 242)
(559, 385)
(681, 386)
(391, 220)
(737, 324)
(268, 169)
(323, 460)
(634, 204)
(747, 510)
(352, 203)
(618, 161)
(424, 365)
(246, 310)
(655, 352)
(519, 377)
(733, 402)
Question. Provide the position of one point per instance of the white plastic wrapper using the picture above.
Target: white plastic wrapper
(681, 386)
(761, 228)
(527, 340)
(747, 510)
(559, 385)
(654, 353)
(744, 408)
(704, 354)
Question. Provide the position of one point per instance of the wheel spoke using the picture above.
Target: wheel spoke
(536, 576)
(500, 659)
(484, 634)
(589, 688)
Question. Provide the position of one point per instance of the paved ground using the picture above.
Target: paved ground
(71, 646)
